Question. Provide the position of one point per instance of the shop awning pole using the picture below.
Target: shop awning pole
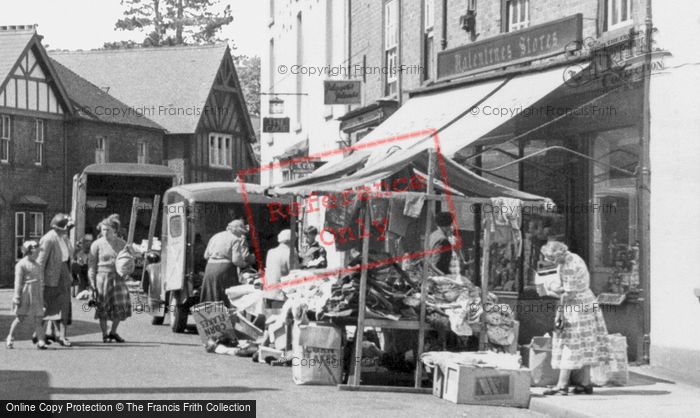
(483, 338)
(429, 215)
(359, 333)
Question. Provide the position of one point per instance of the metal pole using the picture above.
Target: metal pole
(429, 215)
(483, 338)
(359, 333)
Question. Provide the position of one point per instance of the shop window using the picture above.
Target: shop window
(39, 133)
(618, 13)
(615, 252)
(220, 150)
(28, 225)
(428, 37)
(100, 150)
(4, 138)
(517, 14)
(142, 152)
(391, 46)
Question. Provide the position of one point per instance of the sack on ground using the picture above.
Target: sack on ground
(318, 356)
(540, 362)
(614, 371)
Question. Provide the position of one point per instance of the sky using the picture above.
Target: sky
(87, 24)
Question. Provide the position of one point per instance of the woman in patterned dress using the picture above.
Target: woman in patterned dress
(580, 337)
(113, 303)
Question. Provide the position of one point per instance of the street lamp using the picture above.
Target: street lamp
(276, 106)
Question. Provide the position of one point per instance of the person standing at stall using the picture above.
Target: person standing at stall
(580, 336)
(225, 252)
(113, 302)
(312, 255)
(54, 257)
(276, 267)
(439, 262)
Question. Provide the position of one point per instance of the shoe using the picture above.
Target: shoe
(105, 338)
(114, 336)
(587, 389)
(35, 340)
(64, 342)
(50, 338)
(40, 345)
(10, 342)
(556, 391)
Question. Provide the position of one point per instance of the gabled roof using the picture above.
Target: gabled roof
(14, 42)
(92, 103)
(169, 84)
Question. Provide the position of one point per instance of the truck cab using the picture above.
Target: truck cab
(192, 214)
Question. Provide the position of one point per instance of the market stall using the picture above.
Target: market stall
(455, 189)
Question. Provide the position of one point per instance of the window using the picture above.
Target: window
(28, 225)
(142, 152)
(428, 37)
(391, 44)
(101, 150)
(618, 13)
(518, 15)
(220, 150)
(38, 142)
(4, 138)
(615, 264)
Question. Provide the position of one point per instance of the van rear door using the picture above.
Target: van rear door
(176, 246)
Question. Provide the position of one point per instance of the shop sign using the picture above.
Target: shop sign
(341, 92)
(275, 125)
(533, 43)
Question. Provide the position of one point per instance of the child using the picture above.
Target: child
(28, 300)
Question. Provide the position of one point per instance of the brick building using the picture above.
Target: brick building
(50, 132)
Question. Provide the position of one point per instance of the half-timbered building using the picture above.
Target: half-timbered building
(192, 92)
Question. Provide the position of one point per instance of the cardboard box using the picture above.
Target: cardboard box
(244, 326)
(486, 386)
(318, 355)
(540, 362)
(438, 382)
(212, 320)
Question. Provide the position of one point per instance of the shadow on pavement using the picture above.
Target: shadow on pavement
(156, 390)
(622, 392)
(24, 384)
(24, 331)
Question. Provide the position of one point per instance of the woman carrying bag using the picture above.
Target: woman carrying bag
(580, 335)
(109, 289)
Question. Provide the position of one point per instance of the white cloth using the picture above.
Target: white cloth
(65, 252)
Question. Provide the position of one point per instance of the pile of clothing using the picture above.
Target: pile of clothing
(388, 287)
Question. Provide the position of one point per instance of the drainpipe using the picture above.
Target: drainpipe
(644, 188)
(400, 53)
(443, 41)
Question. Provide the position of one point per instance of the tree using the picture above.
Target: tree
(249, 76)
(172, 22)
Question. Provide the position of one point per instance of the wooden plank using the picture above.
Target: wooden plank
(430, 213)
(151, 233)
(132, 221)
(400, 324)
(359, 333)
(371, 388)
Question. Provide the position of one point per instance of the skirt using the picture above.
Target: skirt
(113, 302)
(31, 302)
(57, 299)
(583, 341)
(217, 278)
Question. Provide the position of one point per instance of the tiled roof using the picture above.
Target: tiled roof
(170, 84)
(93, 103)
(12, 43)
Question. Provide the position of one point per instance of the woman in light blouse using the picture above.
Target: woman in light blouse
(226, 251)
(113, 302)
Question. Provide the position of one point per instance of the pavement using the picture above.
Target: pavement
(155, 363)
